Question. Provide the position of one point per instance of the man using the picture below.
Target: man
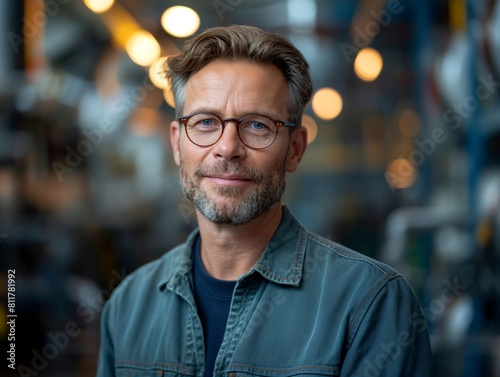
(252, 292)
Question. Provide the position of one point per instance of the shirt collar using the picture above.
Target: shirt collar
(281, 262)
(283, 258)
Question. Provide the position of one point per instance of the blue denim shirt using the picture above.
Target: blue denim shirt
(309, 307)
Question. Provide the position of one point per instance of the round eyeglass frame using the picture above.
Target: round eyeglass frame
(278, 123)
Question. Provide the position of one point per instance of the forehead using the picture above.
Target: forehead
(235, 88)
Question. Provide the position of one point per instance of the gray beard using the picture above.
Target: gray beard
(268, 192)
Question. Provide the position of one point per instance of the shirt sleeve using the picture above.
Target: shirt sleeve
(389, 336)
(106, 363)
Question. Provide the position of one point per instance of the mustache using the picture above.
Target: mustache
(229, 167)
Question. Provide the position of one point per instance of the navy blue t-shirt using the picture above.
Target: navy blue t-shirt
(213, 299)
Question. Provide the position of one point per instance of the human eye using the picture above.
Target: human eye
(257, 125)
(207, 122)
(204, 122)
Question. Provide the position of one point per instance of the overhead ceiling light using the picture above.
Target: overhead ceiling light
(327, 103)
(143, 48)
(180, 21)
(368, 64)
(157, 73)
(99, 6)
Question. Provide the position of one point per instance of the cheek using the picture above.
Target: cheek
(281, 155)
(191, 155)
(272, 164)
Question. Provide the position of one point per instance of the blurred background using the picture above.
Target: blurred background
(403, 162)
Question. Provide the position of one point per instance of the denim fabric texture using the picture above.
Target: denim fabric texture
(309, 307)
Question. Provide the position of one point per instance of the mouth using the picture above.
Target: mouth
(228, 179)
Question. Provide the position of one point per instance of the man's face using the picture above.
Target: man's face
(228, 182)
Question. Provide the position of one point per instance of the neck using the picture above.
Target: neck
(229, 251)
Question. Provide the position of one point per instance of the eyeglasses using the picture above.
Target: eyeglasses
(255, 131)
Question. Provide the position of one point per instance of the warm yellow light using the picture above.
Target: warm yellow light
(409, 123)
(143, 48)
(400, 174)
(368, 64)
(327, 103)
(120, 23)
(312, 128)
(180, 21)
(99, 6)
(169, 97)
(144, 122)
(157, 73)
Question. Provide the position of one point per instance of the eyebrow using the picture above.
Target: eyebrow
(215, 112)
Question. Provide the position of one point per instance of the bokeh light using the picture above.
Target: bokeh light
(180, 21)
(373, 133)
(400, 173)
(99, 6)
(143, 48)
(169, 97)
(327, 103)
(368, 64)
(312, 128)
(409, 123)
(157, 73)
(144, 121)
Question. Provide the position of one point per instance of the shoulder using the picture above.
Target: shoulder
(317, 252)
(370, 285)
(350, 271)
(342, 255)
(335, 253)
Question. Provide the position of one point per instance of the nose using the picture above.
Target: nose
(229, 146)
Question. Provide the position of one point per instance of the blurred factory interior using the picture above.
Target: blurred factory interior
(403, 161)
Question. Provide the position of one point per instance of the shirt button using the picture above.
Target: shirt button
(159, 373)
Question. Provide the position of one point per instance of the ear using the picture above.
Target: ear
(175, 135)
(298, 144)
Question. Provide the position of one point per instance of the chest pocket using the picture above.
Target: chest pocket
(135, 372)
(148, 370)
(305, 371)
(240, 374)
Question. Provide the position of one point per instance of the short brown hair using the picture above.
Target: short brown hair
(246, 43)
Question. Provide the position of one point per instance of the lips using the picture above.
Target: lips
(228, 173)
(228, 180)
(229, 177)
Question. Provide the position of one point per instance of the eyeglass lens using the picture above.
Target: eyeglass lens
(256, 131)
